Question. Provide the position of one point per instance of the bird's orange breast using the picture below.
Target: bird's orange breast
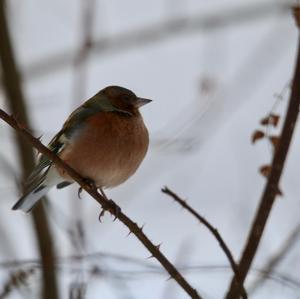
(109, 148)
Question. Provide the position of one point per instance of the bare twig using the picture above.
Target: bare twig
(94, 267)
(106, 205)
(81, 58)
(78, 259)
(273, 262)
(77, 290)
(271, 189)
(16, 101)
(212, 229)
(16, 280)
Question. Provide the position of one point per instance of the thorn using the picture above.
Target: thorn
(114, 209)
(129, 233)
(142, 227)
(169, 278)
(150, 257)
(158, 246)
(279, 192)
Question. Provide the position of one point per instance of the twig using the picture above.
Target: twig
(106, 205)
(15, 280)
(273, 262)
(78, 258)
(16, 102)
(73, 263)
(77, 289)
(81, 58)
(271, 189)
(212, 229)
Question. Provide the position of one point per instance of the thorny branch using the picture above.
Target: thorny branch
(271, 189)
(212, 229)
(105, 204)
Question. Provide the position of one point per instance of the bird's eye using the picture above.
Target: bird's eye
(126, 98)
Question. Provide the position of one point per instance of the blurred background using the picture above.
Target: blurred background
(214, 69)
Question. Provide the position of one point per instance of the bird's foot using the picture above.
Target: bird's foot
(86, 181)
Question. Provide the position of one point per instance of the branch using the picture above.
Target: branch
(81, 57)
(274, 261)
(16, 102)
(213, 230)
(16, 280)
(160, 32)
(271, 189)
(73, 263)
(105, 204)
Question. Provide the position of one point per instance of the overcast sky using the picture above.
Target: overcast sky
(212, 78)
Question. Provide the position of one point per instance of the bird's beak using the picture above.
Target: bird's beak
(141, 102)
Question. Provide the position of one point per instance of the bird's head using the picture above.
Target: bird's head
(124, 99)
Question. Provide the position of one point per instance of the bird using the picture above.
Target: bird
(105, 140)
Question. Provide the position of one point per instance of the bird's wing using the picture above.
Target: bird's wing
(71, 129)
(40, 170)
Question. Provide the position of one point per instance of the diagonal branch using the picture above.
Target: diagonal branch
(271, 189)
(212, 229)
(105, 204)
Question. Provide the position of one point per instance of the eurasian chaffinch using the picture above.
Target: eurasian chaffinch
(105, 140)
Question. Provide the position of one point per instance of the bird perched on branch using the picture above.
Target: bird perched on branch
(105, 140)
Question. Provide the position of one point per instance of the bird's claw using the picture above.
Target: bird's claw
(101, 215)
(89, 182)
(79, 192)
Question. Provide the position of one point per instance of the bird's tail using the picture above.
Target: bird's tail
(37, 186)
(29, 199)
